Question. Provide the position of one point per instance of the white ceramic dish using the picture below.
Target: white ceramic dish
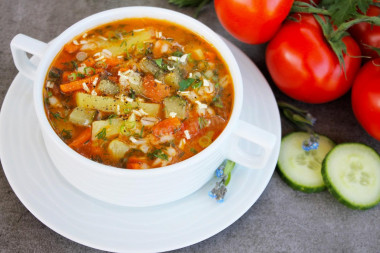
(57, 204)
(143, 187)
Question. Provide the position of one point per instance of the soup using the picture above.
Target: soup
(138, 94)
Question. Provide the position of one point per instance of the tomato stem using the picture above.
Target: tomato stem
(302, 7)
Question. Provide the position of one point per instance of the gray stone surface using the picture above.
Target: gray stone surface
(282, 220)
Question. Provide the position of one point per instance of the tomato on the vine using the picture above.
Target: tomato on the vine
(303, 65)
(365, 97)
(252, 21)
(367, 34)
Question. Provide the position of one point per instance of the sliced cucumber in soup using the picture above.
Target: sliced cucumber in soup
(301, 169)
(351, 172)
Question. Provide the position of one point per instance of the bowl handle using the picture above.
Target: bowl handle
(22, 44)
(253, 134)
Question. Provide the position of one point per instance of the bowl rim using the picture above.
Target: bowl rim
(111, 15)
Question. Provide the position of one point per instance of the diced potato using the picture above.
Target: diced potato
(81, 116)
(111, 126)
(175, 105)
(173, 79)
(151, 109)
(108, 88)
(117, 148)
(119, 47)
(109, 104)
(197, 54)
(105, 104)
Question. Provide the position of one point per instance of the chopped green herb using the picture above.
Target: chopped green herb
(54, 73)
(159, 62)
(218, 104)
(132, 94)
(75, 64)
(193, 150)
(158, 153)
(66, 134)
(217, 101)
(141, 132)
(49, 94)
(140, 47)
(197, 84)
(112, 116)
(123, 43)
(57, 115)
(184, 84)
(80, 75)
(202, 122)
(128, 108)
(177, 53)
(102, 134)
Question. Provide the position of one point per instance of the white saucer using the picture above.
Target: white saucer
(87, 221)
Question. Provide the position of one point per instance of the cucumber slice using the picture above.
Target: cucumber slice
(351, 172)
(301, 169)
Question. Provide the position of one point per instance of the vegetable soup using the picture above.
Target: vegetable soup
(138, 94)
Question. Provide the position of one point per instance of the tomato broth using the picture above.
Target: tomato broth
(138, 93)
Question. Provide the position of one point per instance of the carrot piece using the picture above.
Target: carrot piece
(192, 126)
(210, 56)
(166, 126)
(78, 84)
(90, 62)
(112, 61)
(155, 91)
(135, 162)
(71, 47)
(84, 136)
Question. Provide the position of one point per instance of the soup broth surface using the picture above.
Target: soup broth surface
(138, 94)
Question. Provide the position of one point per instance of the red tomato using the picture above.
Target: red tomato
(252, 21)
(365, 97)
(303, 65)
(367, 34)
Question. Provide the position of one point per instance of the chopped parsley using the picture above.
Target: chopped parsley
(184, 84)
(193, 150)
(158, 153)
(57, 115)
(159, 62)
(66, 134)
(177, 53)
(102, 134)
(197, 84)
(112, 116)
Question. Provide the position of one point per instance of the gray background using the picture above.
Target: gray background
(282, 220)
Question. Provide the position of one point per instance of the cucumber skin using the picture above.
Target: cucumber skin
(331, 188)
(295, 186)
